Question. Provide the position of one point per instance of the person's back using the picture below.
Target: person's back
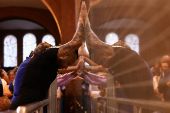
(39, 73)
(132, 72)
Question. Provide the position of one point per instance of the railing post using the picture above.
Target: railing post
(52, 107)
(140, 110)
(137, 109)
(94, 106)
(111, 104)
(58, 105)
(40, 110)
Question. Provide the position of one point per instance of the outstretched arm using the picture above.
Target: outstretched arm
(100, 51)
(96, 79)
(77, 40)
(69, 69)
(66, 78)
(90, 62)
(82, 51)
(98, 68)
(95, 68)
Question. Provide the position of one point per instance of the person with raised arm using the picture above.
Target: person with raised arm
(42, 69)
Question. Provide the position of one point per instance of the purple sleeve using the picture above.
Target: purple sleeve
(63, 80)
(96, 79)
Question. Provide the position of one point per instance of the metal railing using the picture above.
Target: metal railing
(29, 108)
(138, 104)
(51, 103)
(110, 107)
(33, 107)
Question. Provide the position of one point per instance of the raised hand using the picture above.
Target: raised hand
(77, 39)
(82, 51)
(98, 50)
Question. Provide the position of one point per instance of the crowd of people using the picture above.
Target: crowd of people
(161, 78)
(7, 80)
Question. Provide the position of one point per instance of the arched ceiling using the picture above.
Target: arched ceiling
(117, 12)
(18, 24)
(131, 3)
(103, 12)
(22, 3)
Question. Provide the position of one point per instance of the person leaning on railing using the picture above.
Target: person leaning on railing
(128, 68)
(42, 69)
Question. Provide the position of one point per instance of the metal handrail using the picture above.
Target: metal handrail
(8, 111)
(147, 104)
(32, 107)
(29, 108)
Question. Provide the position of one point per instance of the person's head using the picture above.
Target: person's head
(165, 62)
(11, 75)
(69, 59)
(41, 47)
(157, 68)
(121, 43)
(157, 63)
(164, 65)
(15, 70)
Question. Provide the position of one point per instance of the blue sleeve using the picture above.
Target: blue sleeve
(1, 88)
(18, 78)
(11, 86)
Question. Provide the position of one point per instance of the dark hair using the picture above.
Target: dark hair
(165, 59)
(10, 71)
(31, 54)
(41, 47)
(121, 43)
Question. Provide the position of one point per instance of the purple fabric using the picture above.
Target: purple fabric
(91, 78)
(63, 80)
(96, 79)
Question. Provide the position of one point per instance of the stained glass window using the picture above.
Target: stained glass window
(133, 41)
(49, 38)
(111, 38)
(10, 51)
(29, 44)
